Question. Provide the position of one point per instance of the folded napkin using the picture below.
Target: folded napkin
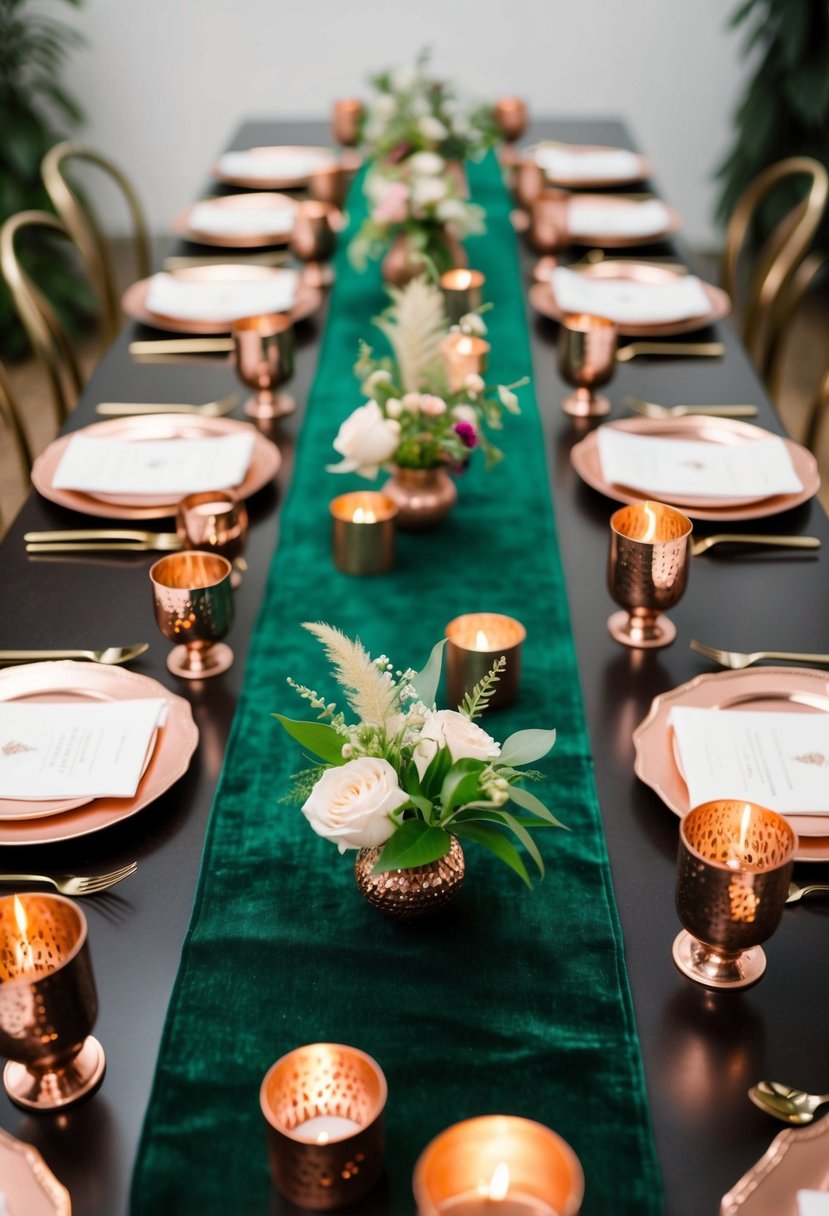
(627, 302)
(624, 217)
(154, 467)
(221, 299)
(280, 163)
(812, 1203)
(76, 751)
(586, 165)
(241, 221)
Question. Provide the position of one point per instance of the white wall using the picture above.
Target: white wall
(165, 82)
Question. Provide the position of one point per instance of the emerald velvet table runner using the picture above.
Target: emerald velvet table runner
(511, 1001)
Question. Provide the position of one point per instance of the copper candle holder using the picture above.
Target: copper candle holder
(548, 221)
(650, 548)
(264, 349)
(734, 864)
(475, 641)
(464, 355)
(313, 240)
(462, 292)
(586, 359)
(48, 1003)
(324, 1105)
(363, 532)
(494, 1164)
(194, 606)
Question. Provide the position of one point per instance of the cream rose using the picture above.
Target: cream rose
(427, 163)
(365, 440)
(351, 805)
(464, 739)
(428, 190)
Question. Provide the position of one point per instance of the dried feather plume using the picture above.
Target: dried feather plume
(370, 693)
(414, 325)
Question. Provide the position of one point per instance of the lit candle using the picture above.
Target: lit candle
(464, 355)
(324, 1128)
(363, 532)
(462, 292)
(475, 641)
(23, 957)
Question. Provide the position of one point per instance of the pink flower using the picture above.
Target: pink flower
(432, 406)
(392, 207)
(466, 433)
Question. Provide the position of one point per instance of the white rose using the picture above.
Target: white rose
(385, 107)
(432, 128)
(448, 728)
(451, 211)
(465, 413)
(429, 164)
(394, 407)
(352, 804)
(365, 440)
(428, 190)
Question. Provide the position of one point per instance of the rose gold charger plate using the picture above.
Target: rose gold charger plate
(617, 240)
(797, 1160)
(644, 168)
(584, 457)
(67, 680)
(27, 1184)
(544, 301)
(236, 203)
(277, 182)
(759, 689)
(134, 300)
(264, 464)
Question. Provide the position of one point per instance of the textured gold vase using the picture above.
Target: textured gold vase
(410, 894)
(423, 496)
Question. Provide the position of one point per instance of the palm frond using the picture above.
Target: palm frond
(414, 325)
(370, 694)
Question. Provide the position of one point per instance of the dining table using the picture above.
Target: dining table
(702, 1049)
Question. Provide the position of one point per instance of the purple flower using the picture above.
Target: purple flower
(466, 433)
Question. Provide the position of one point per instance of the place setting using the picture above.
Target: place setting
(580, 166)
(280, 167)
(559, 221)
(238, 221)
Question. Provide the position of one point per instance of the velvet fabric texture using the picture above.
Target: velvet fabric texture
(512, 1001)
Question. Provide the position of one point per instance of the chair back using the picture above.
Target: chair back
(781, 254)
(12, 428)
(79, 218)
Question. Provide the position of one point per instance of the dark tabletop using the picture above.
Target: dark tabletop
(701, 1049)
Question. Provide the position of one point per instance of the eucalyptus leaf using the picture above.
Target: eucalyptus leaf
(414, 843)
(425, 683)
(319, 738)
(497, 843)
(526, 746)
(528, 802)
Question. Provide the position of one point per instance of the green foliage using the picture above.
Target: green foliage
(35, 112)
(785, 108)
(475, 702)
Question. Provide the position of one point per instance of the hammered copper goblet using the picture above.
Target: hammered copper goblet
(548, 221)
(215, 520)
(510, 114)
(48, 1003)
(329, 184)
(347, 120)
(586, 359)
(313, 240)
(734, 864)
(264, 349)
(650, 547)
(194, 606)
(527, 184)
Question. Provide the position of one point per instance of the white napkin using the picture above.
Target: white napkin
(75, 751)
(160, 466)
(812, 1203)
(221, 300)
(241, 221)
(624, 218)
(630, 303)
(693, 468)
(280, 163)
(583, 165)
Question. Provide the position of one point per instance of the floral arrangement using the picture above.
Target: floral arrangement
(406, 776)
(412, 419)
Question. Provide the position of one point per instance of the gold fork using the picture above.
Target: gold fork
(651, 409)
(122, 540)
(74, 884)
(753, 538)
(736, 660)
(709, 350)
(210, 409)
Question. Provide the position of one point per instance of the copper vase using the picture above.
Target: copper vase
(423, 496)
(403, 263)
(413, 893)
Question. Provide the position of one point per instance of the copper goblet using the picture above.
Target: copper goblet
(510, 114)
(48, 1003)
(215, 520)
(194, 606)
(313, 240)
(650, 548)
(346, 121)
(734, 864)
(264, 349)
(548, 221)
(527, 184)
(586, 359)
(329, 184)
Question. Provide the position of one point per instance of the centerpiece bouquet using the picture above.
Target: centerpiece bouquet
(403, 782)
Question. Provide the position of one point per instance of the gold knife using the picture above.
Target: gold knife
(711, 350)
(182, 346)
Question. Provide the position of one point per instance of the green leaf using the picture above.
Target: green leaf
(461, 784)
(497, 843)
(414, 843)
(319, 738)
(526, 746)
(529, 802)
(432, 780)
(518, 830)
(425, 683)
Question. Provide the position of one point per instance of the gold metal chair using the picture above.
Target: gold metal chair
(11, 427)
(80, 220)
(817, 416)
(782, 253)
(46, 333)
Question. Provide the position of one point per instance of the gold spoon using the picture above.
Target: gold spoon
(784, 1103)
(796, 893)
(210, 409)
(698, 547)
(710, 350)
(112, 656)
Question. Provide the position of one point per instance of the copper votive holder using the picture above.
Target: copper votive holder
(510, 114)
(346, 120)
(462, 292)
(324, 1105)
(193, 601)
(313, 240)
(264, 350)
(734, 864)
(548, 221)
(498, 1163)
(650, 548)
(329, 184)
(464, 355)
(48, 1003)
(363, 525)
(475, 641)
(586, 359)
(528, 181)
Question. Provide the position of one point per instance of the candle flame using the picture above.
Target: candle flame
(465, 346)
(499, 1182)
(482, 641)
(22, 947)
(650, 531)
(21, 918)
(745, 823)
(323, 1138)
(363, 516)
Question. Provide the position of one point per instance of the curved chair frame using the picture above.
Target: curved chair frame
(85, 230)
(49, 340)
(10, 422)
(782, 253)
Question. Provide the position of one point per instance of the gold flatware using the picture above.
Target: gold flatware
(251, 259)
(753, 538)
(686, 350)
(182, 346)
(149, 540)
(112, 656)
(652, 409)
(736, 660)
(210, 409)
(104, 546)
(796, 893)
(595, 256)
(785, 1103)
(74, 884)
